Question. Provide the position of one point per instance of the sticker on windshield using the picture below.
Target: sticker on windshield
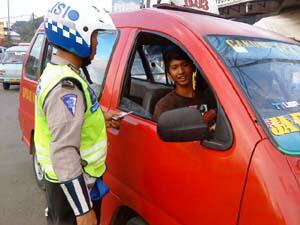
(285, 124)
(241, 45)
(239, 49)
(285, 105)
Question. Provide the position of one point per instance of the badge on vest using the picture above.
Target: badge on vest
(70, 102)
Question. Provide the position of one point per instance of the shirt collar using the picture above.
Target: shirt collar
(57, 60)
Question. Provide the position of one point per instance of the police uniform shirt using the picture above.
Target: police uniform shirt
(65, 123)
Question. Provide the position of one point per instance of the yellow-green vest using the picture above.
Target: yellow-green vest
(93, 142)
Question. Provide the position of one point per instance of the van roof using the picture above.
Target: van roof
(200, 25)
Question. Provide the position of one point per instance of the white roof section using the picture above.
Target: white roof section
(225, 3)
(287, 24)
(206, 6)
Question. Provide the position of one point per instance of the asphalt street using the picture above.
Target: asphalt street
(21, 201)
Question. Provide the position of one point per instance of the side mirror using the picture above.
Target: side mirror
(183, 124)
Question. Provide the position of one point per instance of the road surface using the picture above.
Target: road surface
(21, 201)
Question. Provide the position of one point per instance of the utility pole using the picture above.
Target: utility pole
(8, 14)
(32, 17)
(8, 23)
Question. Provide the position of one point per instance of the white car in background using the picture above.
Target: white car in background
(2, 50)
(11, 66)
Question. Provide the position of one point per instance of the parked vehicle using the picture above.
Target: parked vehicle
(2, 50)
(11, 66)
(174, 171)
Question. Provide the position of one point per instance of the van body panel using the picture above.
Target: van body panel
(27, 98)
(208, 175)
(272, 193)
(184, 182)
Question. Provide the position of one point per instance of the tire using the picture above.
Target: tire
(37, 170)
(136, 221)
(6, 86)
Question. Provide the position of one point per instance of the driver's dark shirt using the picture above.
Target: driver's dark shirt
(173, 101)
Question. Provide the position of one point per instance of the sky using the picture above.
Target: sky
(21, 9)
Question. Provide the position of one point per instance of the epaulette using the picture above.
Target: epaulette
(67, 84)
(74, 68)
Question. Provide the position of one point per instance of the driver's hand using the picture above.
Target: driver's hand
(210, 116)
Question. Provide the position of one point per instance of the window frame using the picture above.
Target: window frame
(134, 48)
(223, 127)
(40, 59)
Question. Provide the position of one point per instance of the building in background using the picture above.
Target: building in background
(286, 23)
(125, 5)
(281, 16)
(1, 32)
(256, 9)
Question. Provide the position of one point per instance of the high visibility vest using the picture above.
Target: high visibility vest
(93, 141)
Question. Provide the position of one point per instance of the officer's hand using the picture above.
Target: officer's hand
(87, 219)
(109, 122)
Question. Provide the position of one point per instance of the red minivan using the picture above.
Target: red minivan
(173, 172)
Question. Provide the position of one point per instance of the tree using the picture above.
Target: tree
(27, 29)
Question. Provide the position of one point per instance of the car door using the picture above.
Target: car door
(178, 182)
(31, 71)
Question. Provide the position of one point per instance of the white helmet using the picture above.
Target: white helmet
(69, 24)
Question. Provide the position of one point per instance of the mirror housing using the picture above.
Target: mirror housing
(183, 124)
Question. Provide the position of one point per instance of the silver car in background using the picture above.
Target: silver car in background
(11, 66)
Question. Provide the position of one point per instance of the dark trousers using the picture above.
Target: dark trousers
(59, 209)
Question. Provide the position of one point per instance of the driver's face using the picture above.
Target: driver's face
(181, 71)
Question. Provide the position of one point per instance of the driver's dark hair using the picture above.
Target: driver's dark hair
(173, 52)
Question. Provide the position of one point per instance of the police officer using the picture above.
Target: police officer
(70, 132)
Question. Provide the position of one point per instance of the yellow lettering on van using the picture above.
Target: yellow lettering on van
(28, 95)
(283, 48)
(296, 118)
(238, 43)
(281, 125)
(230, 43)
(265, 45)
(245, 43)
(253, 44)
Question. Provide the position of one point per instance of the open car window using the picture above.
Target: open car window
(146, 81)
(268, 72)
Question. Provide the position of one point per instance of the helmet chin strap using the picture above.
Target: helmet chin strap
(85, 62)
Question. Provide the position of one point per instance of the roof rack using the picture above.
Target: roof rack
(185, 9)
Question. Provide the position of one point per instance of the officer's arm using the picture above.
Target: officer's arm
(64, 108)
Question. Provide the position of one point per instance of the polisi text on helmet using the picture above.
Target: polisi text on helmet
(64, 10)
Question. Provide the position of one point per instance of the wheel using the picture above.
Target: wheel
(6, 86)
(38, 172)
(136, 221)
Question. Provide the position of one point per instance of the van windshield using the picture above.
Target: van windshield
(268, 72)
(13, 57)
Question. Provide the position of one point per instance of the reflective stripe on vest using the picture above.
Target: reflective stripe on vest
(93, 141)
